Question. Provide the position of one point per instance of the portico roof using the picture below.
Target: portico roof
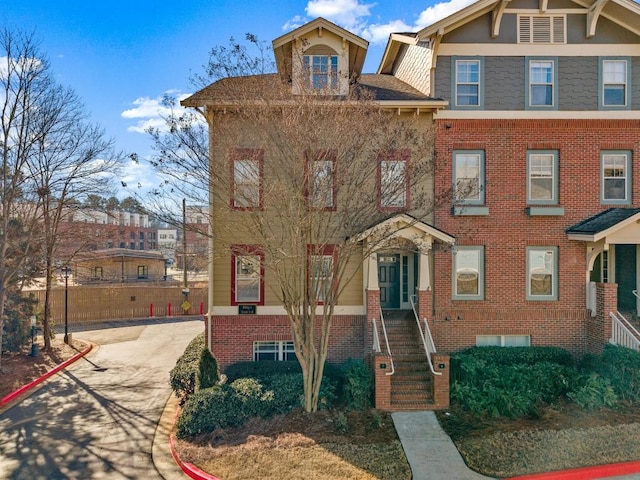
(406, 226)
(615, 225)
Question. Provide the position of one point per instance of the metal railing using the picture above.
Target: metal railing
(425, 336)
(623, 333)
(376, 341)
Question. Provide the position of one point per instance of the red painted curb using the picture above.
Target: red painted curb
(585, 473)
(13, 395)
(189, 469)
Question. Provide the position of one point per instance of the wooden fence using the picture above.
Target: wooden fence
(86, 304)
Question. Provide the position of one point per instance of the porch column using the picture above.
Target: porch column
(425, 300)
(372, 272)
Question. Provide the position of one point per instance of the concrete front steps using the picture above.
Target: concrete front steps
(411, 385)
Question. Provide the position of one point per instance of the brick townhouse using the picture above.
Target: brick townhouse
(535, 106)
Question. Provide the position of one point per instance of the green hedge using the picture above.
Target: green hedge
(510, 382)
(621, 366)
(183, 378)
(358, 385)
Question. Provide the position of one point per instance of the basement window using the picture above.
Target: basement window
(282, 351)
(503, 340)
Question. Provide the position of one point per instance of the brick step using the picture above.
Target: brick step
(411, 406)
(412, 376)
(411, 398)
(410, 386)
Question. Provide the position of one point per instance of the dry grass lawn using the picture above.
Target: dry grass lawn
(326, 445)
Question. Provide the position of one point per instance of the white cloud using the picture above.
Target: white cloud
(139, 175)
(150, 112)
(439, 11)
(380, 33)
(348, 13)
(352, 15)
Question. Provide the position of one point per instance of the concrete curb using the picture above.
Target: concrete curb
(189, 469)
(586, 473)
(25, 388)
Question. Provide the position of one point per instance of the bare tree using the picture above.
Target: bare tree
(329, 168)
(24, 80)
(73, 160)
(51, 157)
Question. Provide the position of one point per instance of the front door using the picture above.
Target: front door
(626, 277)
(389, 280)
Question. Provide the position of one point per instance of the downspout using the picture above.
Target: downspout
(210, 242)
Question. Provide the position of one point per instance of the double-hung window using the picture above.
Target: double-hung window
(616, 177)
(246, 179)
(321, 183)
(468, 177)
(321, 71)
(248, 272)
(467, 83)
(321, 273)
(542, 81)
(542, 177)
(542, 273)
(393, 181)
(614, 83)
(468, 273)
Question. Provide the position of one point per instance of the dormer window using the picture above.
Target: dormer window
(321, 71)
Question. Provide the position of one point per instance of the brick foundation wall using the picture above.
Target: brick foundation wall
(232, 336)
(509, 229)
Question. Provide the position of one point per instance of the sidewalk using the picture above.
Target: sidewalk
(429, 450)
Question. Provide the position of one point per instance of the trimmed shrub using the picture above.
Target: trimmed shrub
(255, 401)
(519, 355)
(183, 376)
(287, 392)
(209, 409)
(260, 370)
(358, 385)
(208, 374)
(594, 393)
(512, 387)
(621, 366)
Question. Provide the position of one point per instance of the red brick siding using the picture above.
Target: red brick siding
(232, 336)
(508, 229)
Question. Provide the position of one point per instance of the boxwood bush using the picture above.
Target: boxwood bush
(193, 366)
(358, 385)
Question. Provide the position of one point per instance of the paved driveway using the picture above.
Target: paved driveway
(96, 420)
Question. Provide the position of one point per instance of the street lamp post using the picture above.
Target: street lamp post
(66, 271)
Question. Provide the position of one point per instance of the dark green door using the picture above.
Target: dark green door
(389, 280)
(626, 277)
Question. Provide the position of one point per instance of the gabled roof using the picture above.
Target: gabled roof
(283, 45)
(625, 13)
(404, 225)
(604, 224)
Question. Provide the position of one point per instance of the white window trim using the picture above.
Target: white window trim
(240, 277)
(331, 75)
(281, 348)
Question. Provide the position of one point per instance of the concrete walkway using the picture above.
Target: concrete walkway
(429, 450)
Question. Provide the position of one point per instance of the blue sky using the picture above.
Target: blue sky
(122, 56)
